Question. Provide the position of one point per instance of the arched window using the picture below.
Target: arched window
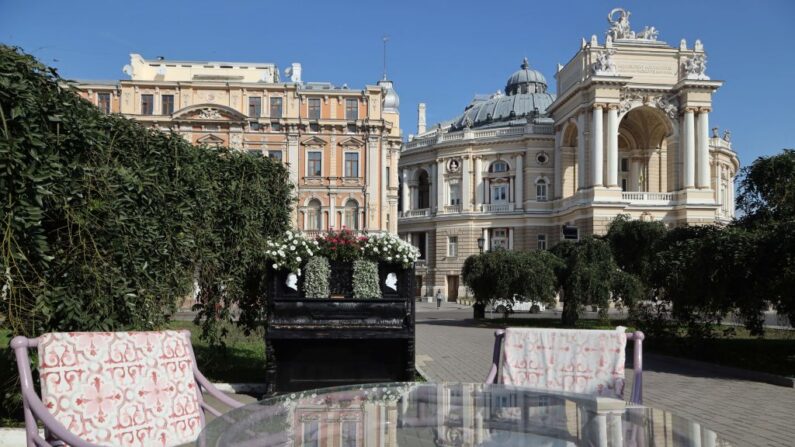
(541, 190)
(314, 217)
(352, 214)
(498, 166)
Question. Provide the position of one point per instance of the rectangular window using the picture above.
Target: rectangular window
(624, 165)
(311, 434)
(455, 194)
(499, 238)
(541, 191)
(167, 104)
(351, 164)
(542, 241)
(255, 152)
(571, 233)
(351, 128)
(452, 246)
(315, 164)
(351, 109)
(147, 105)
(314, 108)
(276, 155)
(276, 107)
(499, 194)
(254, 106)
(623, 184)
(103, 102)
(349, 434)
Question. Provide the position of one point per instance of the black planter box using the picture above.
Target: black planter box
(313, 343)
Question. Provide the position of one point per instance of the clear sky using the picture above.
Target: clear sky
(440, 53)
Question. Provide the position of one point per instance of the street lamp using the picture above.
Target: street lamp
(481, 241)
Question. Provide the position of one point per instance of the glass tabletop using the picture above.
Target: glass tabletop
(450, 414)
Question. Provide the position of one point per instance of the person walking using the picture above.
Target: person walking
(438, 298)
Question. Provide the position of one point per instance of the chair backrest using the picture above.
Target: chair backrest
(580, 361)
(122, 388)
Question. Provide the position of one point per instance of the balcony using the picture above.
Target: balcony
(648, 198)
(422, 212)
(497, 208)
(451, 209)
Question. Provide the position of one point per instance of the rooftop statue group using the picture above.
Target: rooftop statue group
(620, 29)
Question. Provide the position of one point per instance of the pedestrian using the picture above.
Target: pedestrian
(438, 298)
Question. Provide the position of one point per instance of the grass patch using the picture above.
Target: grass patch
(734, 346)
(243, 359)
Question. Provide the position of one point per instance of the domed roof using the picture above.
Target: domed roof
(526, 96)
(526, 77)
(391, 98)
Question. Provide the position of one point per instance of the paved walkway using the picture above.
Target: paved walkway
(745, 413)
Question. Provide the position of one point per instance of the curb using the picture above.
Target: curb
(738, 373)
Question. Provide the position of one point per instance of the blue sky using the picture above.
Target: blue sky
(440, 53)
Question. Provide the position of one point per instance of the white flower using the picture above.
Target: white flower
(276, 266)
(310, 252)
(298, 259)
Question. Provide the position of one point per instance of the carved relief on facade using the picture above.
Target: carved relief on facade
(668, 103)
(695, 68)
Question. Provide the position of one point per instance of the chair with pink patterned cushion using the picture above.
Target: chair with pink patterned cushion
(569, 360)
(114, 389)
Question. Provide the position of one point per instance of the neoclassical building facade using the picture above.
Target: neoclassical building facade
(341, 145)
(627, 132)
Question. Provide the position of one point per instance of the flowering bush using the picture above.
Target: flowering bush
(341, 245)
(390, 248)
(365, 280)
(289, 251)
(317, 277)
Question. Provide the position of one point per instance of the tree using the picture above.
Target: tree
(501, 274)
(767, 189)
(589, 276)
(634, 245)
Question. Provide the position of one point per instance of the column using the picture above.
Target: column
(372, 182)
(332, 210)
(485, 240)
(486, 191)
(557, 157)
(432, 178)
(405, 196)
(702, 180)
(581, 168)
(612, 146)
(510, 238)
(690, 150)
(634, 171)
(519, 183)
(718, 188)
(292, 157)
(596, 146)
(440, 184)
(478, 182)
(466, 184)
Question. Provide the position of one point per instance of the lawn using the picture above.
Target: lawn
(774, 353)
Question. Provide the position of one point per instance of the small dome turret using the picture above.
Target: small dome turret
(526, 80)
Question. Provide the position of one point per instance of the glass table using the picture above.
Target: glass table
(449, 414)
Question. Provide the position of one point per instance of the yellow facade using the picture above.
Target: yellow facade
(341, 145)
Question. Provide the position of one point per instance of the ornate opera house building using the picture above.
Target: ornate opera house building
(626, 132)
(341, 145)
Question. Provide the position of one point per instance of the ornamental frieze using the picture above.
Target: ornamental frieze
(668, 103)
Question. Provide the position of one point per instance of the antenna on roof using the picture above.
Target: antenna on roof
(385, 38)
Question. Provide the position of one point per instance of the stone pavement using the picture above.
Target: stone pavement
(744, 412)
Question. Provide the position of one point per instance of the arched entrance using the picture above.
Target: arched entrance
(647, 151)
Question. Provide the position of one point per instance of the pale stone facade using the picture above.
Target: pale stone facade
(341, 145)
(627, 133)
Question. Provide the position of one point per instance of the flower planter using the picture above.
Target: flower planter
(312, 342)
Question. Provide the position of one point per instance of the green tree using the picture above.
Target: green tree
(590, 277)
(767, 189)
(634, 245)
(501, 274)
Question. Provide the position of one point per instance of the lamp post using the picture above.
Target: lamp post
(481, 241)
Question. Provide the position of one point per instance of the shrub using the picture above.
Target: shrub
(390, 248)
(365, 280)
(316, 280)
(107, 224)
